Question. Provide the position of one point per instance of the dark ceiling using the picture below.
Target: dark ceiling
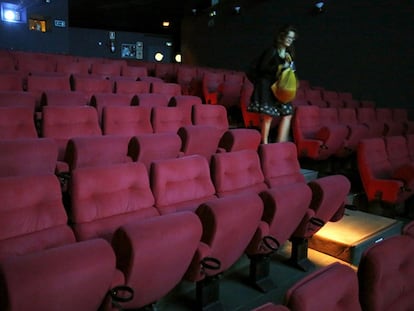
(143, 16)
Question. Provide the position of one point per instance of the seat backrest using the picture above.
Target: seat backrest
(410, 145)
(280, 164)
(237, 172)
(17, 122)
(306, 122)
(311, 292)
(329, 116)
(169, 89)
(347, 115)
(73, 67)
(91, 84)
(147, 148)
(397, 151)
(30, 65)
(18, 98)
(89, 151)
(27, 156)
(229, 94)
(169, 119)
(111, 69)
(126, 86)
(42, 83)
(152, 100)
(104, 198)
(101, 100)
(64, 98)
(11, 81)
(63, 123)
(185, 77)
(165, 71)
(134, 71)
(128, 120)
(32, 220)
(313, 94)
(184, 191)
(212, 115)
(381, 287)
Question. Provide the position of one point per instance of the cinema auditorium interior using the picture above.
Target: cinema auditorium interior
(134, 177)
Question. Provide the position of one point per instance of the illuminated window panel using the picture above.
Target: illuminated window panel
(37, 25)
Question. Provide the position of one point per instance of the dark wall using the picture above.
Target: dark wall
(17, 36)
(364, 47)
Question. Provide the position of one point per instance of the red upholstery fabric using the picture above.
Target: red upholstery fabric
(357, 131)
(329, 117)
(313, 139)
(397, 151)
(169, 89)
(169, 119)
(29, 156)
(147, 148)
(165, 71)
(11, 81)
(104, 198)
(73, 67)
(91, 84)
(376, 173)
(108, 69)
(17, 122)
(368, 116)
(64, 98)
(152, 100)
(229, 94)
(165, 244)
(314, 292)
(210, 83)
(75, 277)
(31, 220)
(183, 191)
(210, 115)
(228, 226)
(250, 119)
(41, 83)
(386, 273)
(63, 123)
(200, 139)
(240, 139)
(29, 65)
(129, 121)
(134, 71)
(91, 151)
(185, 77)
(392, 127)
(126, 86)
(101, 100)
(17, 98)
(237, 172)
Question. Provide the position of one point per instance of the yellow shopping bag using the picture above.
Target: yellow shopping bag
(285, 87)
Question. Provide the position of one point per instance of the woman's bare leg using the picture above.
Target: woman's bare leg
(284, 128)
(265, 127)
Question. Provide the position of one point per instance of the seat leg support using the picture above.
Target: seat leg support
(299, 256)
(208, 293)
(259, 273)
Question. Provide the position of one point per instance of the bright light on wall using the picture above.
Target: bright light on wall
(166, 24)
(159, 56)
(178, 58)
(13, 13)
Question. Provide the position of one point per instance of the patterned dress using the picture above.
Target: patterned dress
(263, 100)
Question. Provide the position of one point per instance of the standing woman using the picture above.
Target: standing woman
(270, 65)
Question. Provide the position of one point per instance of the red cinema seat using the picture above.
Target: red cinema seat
(210, 84)
(357, 131)
(126, 120)
(43, 243)
(106, 197)
(368, 117)
(312, 292)
(187, 101)
(386, 273)
(240, 172)
(184, 191)
(101, 100)
(200, 139)
(185, 77)
(169, 89)
(147, 148)
(29, 66)
(73, 67)
(91, 84)
(154, 254)
(64, 98)
(109, 69)
(152, 100)
(229, 94)
(134, 72)
(377, 174)
(392, 127)
(11, 81)
(251, 120)
(17, 122)
(169, 119)
(400, 115)
(27, 156)
(313, 138)
(228, 226)
(90, 151)
(210, 115)
(64, 123)
(132, 87)
(17, 98)
(166, 71)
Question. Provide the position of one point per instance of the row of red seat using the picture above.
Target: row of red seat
(320, 133)
(386, 169)
(361, 290)
(185, 218)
